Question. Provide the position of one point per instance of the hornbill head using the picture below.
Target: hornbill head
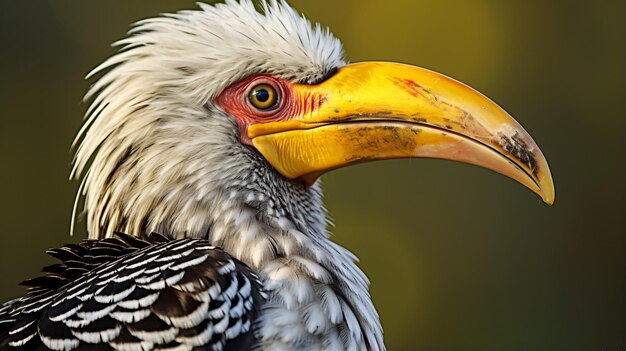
(201, 110)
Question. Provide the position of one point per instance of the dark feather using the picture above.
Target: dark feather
(126, 290)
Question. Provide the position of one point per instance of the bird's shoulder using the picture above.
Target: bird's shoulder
(133, 294)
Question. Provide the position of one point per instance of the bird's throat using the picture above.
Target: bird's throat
(306, 276)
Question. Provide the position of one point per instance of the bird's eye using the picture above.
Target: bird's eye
(263, 97)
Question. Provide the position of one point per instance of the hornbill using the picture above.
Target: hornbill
(199, 157)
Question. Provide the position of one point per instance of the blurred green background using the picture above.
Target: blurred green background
(460, 258)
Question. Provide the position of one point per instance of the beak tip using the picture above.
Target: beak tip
(547, 191)
(548, 200)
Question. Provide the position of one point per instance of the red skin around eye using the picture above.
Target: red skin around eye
(234, 100)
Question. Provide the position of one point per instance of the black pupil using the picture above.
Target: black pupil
(262, 95)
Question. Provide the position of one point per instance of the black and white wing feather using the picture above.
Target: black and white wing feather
(124, 293)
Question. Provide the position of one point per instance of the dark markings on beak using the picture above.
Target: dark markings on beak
(519, 149)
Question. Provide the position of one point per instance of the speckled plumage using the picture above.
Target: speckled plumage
(129, 294)
(157, 155)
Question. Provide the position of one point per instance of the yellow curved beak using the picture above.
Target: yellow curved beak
(374, 110)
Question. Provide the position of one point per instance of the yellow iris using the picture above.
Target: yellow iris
(263, 96)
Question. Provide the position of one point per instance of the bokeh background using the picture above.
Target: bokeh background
(460, 258)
